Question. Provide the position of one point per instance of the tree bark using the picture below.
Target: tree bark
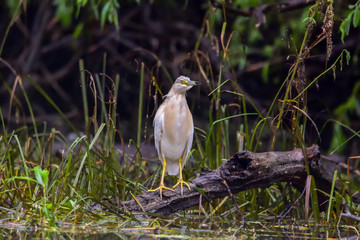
(243, 171)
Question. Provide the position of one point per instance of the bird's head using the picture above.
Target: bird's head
(182, 84)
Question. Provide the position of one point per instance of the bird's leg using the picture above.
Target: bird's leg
(162, 186)
(181, 181)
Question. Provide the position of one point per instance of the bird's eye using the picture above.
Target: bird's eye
(184, 82)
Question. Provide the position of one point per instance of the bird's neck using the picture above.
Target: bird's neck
(172, 93)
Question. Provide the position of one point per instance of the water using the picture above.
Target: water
(176, 229)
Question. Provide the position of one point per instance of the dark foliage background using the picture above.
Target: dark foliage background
(48, 38)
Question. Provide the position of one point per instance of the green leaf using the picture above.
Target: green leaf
(348, 57)
(73, 203)
(342, 30)
(330, 204)
(104, 13)
(46, 212)
(78, 30)
(21, 178)
(356, 17)
(115, 18)
(116, 3)
(65, 14)
(334, 72)
(309, 19)
(338, 139)
(38, 177)
(45, 176)
(345, 27)
(265, 72)
(314, 200)
(200, 190)
(41, 176)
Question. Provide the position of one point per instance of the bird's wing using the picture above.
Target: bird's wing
(188, 146)
(158, 130)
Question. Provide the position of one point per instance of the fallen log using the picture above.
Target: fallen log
(245, 170)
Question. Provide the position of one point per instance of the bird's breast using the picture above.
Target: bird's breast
(178, 120)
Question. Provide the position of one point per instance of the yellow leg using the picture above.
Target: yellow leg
(162, 186)
(181, 181)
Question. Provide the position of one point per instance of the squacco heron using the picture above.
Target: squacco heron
(173, 132)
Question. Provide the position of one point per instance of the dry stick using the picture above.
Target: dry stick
(232, 197)
(349, 215)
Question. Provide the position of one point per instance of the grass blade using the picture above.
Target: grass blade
(86, 155)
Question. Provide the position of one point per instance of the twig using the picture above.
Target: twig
(232, 197)
(349, 215)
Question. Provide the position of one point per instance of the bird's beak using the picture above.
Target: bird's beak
(192, 83)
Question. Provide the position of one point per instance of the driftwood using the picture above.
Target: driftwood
(245, 170)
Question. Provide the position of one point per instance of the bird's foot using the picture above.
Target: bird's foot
(160, 188)
(181, 183)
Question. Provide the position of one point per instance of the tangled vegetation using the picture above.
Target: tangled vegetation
(81, 80)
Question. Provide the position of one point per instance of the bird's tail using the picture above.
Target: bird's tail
(172, 167)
